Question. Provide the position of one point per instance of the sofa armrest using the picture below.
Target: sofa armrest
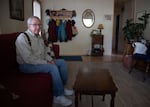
(34, 90)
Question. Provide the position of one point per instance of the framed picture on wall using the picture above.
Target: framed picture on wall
(16, 8)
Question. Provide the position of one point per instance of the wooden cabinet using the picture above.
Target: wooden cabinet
(97, 45)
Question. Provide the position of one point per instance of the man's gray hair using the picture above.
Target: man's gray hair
(30, 19)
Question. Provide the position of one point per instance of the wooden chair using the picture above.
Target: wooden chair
(141, 62)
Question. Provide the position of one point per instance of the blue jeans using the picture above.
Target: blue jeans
(142, 57)
(57, 70)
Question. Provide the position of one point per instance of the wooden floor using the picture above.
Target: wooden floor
(104, 58)
(131, 90)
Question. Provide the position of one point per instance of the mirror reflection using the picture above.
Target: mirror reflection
(88, 18)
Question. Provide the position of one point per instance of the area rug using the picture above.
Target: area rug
(71, 58)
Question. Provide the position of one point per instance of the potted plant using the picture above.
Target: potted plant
(128, 30)
(133, 31)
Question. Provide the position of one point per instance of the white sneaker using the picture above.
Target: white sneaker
(68, 92)
(62, 100)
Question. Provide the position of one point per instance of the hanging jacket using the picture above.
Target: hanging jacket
(57, 27)
(52, 31)
(68, 29)
(74, 29)
(62, 32)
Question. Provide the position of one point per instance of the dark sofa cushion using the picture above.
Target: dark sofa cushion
(8, 52)
(34, 90)
(28, 87)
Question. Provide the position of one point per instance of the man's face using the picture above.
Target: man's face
(35, 26)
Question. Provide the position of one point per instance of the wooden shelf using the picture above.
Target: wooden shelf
(97, 45)
(61, 14)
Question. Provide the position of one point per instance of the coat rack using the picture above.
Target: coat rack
(62, 14)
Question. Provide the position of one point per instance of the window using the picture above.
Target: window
(37, 8)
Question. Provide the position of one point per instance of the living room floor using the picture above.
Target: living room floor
(131, 90)
(105, 58)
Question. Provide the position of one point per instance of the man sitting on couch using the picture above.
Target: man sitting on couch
(33, 57)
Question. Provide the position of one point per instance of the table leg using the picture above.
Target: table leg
(112, 100)
(76, 99)
(92, 100)
(103, 97)
(80, 96)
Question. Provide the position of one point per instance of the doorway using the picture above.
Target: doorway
(117, 34)
(123, 9)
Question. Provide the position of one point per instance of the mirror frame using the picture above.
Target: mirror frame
(86, 13)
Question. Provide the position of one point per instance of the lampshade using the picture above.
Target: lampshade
(100, 26)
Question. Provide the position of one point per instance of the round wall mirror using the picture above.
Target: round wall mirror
(88, 18)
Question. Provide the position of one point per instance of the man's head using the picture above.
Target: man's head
(34, 24)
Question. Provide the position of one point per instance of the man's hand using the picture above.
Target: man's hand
(50, 62)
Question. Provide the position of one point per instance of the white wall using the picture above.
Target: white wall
(82, 41)
(8, 25)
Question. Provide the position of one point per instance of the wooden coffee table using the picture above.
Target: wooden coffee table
(94, 81)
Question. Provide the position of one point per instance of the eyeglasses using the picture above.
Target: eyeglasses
(35, 25)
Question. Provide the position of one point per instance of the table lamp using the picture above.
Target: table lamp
(100, 27)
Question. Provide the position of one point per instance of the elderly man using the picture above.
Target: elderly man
(33, 57)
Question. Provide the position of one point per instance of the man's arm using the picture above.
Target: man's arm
(24, 52)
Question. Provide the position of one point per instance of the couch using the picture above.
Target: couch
(19, 89)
